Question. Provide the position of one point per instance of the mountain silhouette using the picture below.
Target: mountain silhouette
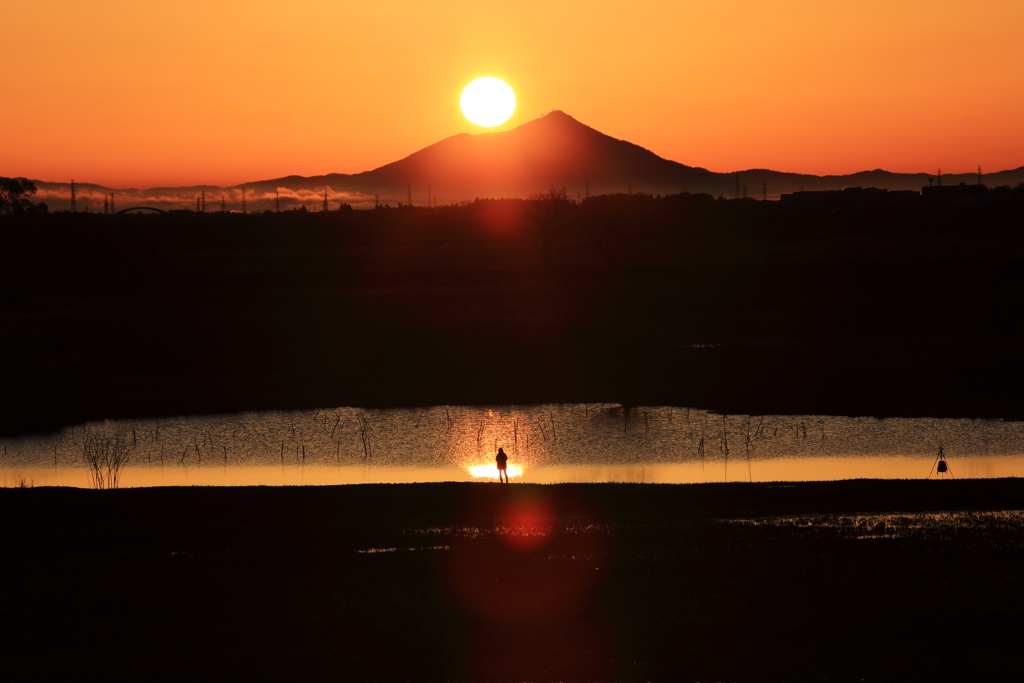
(554, 150)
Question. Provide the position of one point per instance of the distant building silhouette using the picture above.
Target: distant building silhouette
(852, 196)
(962, 194)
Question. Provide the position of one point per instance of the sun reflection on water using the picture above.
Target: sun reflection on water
(490, 471)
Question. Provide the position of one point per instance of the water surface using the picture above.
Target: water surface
(545, 443)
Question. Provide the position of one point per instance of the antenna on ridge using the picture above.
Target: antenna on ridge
(74, 204)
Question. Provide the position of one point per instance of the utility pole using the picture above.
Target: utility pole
(74, 204)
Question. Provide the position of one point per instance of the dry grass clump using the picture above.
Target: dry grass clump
(106, 453)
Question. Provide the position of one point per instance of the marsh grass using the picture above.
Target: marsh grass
(106, 452)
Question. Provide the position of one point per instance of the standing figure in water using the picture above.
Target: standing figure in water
(502, 461)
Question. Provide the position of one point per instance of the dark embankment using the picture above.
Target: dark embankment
(840, 581)
(735, 306)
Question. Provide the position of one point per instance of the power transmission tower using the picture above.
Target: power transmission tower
(764, 191)
(197, 203)
(203, 195)
(940, 177)
(105, 205)
(325, 202)
(277, 201)
(74, 203)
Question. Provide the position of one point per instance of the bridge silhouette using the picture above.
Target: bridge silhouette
(140, 208)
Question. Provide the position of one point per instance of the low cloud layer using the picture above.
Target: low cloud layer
(90, 198)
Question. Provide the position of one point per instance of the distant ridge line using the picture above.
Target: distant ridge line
(554, 150)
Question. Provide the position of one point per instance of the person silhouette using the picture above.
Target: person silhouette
(502, 461)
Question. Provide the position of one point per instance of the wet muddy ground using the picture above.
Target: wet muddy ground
(855, 580)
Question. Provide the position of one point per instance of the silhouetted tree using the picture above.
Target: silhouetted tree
(550, 218)
(14, 193)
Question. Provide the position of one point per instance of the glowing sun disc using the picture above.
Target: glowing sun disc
(488, 102)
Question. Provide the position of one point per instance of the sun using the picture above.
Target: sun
(488, 102)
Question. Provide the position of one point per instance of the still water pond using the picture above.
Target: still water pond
(545, 444)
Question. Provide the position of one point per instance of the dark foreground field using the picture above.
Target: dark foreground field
(737, 307)
(859, 580)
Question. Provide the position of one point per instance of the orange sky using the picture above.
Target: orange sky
(139, 94)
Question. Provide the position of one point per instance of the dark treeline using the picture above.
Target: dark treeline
(734, 305)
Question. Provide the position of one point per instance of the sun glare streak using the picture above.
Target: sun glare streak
(490, 471)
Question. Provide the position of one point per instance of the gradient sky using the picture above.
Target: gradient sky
(128, 93)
